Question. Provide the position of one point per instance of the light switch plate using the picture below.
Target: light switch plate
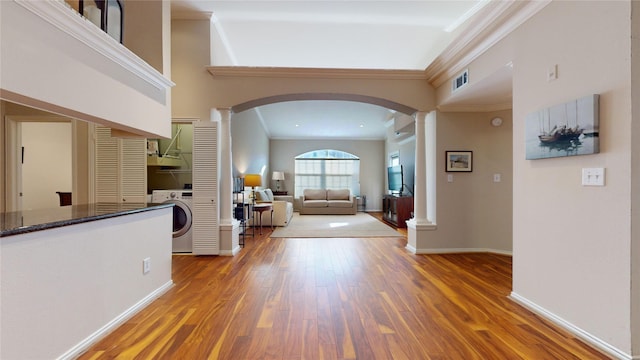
(593, 176)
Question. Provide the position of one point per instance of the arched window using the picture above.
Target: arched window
(327, 169)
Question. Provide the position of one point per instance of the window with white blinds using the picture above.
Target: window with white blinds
(327, 169)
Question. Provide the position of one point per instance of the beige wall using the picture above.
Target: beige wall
(572, 243)
(192, 96)
(635, 181)
(82, 162)
(473, 211)
(145, 38)
(47, 148)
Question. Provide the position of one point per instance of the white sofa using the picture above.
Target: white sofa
(282, 208)
(328, 202)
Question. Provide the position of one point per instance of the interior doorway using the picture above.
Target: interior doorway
(39, 162)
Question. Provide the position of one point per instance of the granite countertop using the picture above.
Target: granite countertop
(20, 222)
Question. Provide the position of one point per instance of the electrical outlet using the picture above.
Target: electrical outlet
(497, 177)
(449, 178)
(146, 265)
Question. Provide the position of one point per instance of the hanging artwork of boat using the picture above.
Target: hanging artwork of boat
(562, 133)
(566, 129)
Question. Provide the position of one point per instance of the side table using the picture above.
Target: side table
(260, 208)
(280, 193)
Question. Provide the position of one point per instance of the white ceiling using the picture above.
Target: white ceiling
(330, 34)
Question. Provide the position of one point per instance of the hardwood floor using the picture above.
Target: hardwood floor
(339, 298)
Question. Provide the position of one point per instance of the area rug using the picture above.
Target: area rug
(332, 226)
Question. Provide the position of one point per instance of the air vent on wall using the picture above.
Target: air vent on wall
(460, 81)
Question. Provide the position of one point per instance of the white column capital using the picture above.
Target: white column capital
(220, 114)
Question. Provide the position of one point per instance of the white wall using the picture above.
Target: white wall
(249, 146)
(47, 150)
(61, 286)
(124, 94)
(572, 243)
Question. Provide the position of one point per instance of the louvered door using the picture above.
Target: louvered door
(107, 170)
(133, 170)
(120, 168)
(205, 189)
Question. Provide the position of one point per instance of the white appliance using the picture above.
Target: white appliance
(182, 216)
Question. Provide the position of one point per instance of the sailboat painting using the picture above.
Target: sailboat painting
(568, 129)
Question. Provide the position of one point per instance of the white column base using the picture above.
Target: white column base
(418, 233)
(230, 238)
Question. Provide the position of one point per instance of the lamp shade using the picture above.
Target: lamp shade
(252, 180)
(277, 175)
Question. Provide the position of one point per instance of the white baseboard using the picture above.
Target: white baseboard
(233, 252)
(462, 250)
(85, 344)
(585, 336)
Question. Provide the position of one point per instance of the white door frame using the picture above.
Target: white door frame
(13, 156)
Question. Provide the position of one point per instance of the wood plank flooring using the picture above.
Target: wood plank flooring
(338, 298)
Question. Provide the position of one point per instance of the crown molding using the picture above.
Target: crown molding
(495, 21)
(475, 108)
(315, 73)
(59, 14)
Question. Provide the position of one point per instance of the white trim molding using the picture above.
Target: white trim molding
(585, 336)
(492, 23)
(85, 344)
(463, 250)
(315, 73)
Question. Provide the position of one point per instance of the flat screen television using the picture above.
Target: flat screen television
(395, 179)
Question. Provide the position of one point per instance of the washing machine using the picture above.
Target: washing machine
(182, 216)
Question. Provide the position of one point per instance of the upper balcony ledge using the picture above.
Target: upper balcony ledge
(59, 14)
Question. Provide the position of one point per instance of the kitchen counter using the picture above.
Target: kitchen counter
(78, 271)
(20, 222)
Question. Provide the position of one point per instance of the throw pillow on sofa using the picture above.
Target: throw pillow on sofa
(343, 194)
(315, 194)
(265, 195)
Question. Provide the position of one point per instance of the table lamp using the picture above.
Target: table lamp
(277, 176)
(253, 180)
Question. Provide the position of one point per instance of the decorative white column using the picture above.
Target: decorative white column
(420, 192)
(418, 226)
(225, 171)
(229, 227)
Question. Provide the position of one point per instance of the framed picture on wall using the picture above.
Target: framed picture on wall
(459, 161)
(568, 129)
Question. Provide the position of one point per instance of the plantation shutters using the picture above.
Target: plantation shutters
(205, 189)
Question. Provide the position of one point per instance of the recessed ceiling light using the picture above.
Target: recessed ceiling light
(361, 125)
(297, 125)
